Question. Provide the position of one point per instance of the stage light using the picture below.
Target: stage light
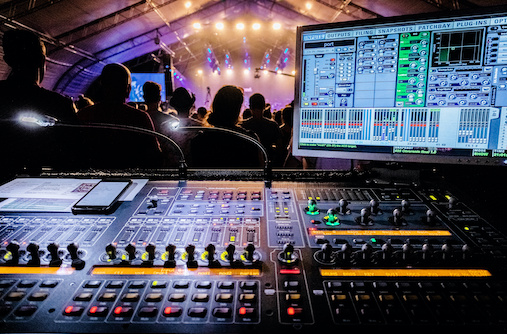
(240, 26)
(219, 26)
(308, 5)
(246, 71)
(197, 25)
(188, 4)
(293, 72)
(256, 26)
(199, 72)
(265, 72)
(277, 26)
(279, 72)
(229, 71)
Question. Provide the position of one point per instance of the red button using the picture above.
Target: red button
(292, 311)
(173, 311)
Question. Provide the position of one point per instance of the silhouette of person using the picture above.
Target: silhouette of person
(21, 94)
(116, 148)
(182, 101)
(152, 98)
(267, 129)
(225, 150)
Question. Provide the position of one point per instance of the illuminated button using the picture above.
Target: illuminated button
(248, 285)
(292, 285)
(15, 296)
(224, 298)
(84, 297)
(5, 283)
(181, 285)
(410, 298)
(153, 297)
(148, 312)
(172, 311)
(123, 311)
(130, 297)
(203, 285)
(49, 284)
(115, 285)
(222, 312)
(386, 297)
(177, 297)
(246, 312)
(26, 284)
(247, 297)
(200, 297)
(435, 298)
(226, 285)
(294, 311)
(197, 312)
(158, 285)
(73, 311)
(137, 285)
(25, 311)
(338, 297)
(293, 297)
(92, 284)
(362, 297)
(107, 297)
(38, 296)
(98, 311)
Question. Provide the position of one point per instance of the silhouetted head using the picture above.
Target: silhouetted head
(115, 80)
(287, 116)
(151, 92)
(182, 100)
(257, 102)
(25, 53)
(226, 106)
(202, 112)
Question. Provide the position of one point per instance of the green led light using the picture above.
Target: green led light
(373, 240)
(336, 223)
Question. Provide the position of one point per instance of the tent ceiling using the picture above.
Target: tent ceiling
(83, 36)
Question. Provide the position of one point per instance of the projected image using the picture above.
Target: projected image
(138, 80)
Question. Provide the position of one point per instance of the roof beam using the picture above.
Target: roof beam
(25, 7)
(348, 3)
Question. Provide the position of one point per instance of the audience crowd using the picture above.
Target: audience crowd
(110, 132)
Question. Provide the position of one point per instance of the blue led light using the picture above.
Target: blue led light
(285, 60)
(286, 50)
(267, 61)
(209, 50)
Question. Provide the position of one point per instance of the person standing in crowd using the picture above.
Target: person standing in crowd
(267, 129)
(223, 149)
(118, 148)
(21, 92)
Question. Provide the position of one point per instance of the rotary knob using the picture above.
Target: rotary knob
(190, 254)
(33, 249)
(55, 260)
(12, 255)
(111, 251)
(210, 251)
(287, 255)
(170, 252)
(74, 256)
(312, 209)
(343, 207)
(374, 207)
(331, 218)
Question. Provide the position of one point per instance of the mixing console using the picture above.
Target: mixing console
(236, 256)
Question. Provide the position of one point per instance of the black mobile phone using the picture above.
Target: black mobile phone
(102, 197)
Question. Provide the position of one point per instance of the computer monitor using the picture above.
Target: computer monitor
(418, 89)
(138, 80)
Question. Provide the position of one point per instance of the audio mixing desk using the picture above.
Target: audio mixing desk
(236, 256)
